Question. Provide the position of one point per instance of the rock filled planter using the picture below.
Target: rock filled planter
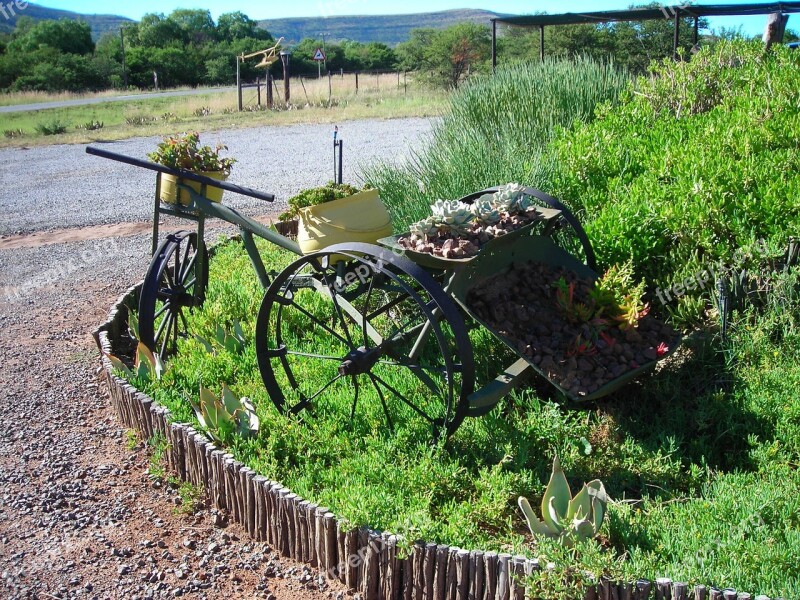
(368, 562)
(531, 305)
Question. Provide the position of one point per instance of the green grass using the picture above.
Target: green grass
(163, 116)
(700, 459)
(495, 131)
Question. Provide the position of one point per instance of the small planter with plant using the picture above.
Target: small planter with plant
(334, 213)
(185, 152)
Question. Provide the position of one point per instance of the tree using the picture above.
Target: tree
(196, 24)
(158, 31)
(66, 36)
(237, 25)
(447, 56)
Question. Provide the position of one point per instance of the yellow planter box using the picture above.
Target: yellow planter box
(169, 188)
(358, 218)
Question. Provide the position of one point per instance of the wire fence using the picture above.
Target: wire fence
(329, 88)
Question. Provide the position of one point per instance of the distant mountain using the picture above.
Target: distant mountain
(100, 24)
(389, 29)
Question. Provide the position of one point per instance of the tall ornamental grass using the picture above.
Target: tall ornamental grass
(495, 132)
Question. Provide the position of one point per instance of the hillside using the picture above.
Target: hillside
(389, 29)
(99, 23)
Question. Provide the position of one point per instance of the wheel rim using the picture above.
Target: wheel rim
(371, 337)
(171, 289)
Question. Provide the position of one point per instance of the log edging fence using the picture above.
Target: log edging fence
(366, 561)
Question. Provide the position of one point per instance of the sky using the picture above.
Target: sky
(316, 8)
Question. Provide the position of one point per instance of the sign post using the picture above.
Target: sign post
(319, 56)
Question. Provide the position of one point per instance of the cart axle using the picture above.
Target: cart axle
(360, 361)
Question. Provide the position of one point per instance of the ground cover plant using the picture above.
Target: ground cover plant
(699, 461)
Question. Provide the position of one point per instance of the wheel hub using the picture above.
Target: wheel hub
(360, 361)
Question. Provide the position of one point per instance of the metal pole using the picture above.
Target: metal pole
(335, 145)
(541, 43)
(696, 28)
(341, 149)
(676, 39)
(258, 87)
(239, 84)
(124, 70)
(494, 45)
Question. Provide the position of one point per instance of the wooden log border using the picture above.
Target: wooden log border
(368, 562)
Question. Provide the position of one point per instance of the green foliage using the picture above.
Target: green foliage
(630, 44)
(495, 131)
(185, 152)
(446, 57)
(66, 36)
(318, 195)
(649, 187)
(692, 453)
(54, 127)
(565, 518)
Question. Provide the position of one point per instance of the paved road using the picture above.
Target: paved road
(100, 100)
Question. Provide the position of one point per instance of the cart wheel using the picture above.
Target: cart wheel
(358, 330)
(171, 285)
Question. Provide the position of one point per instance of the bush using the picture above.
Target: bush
(698, 168)
(495, 132)
(53, 127)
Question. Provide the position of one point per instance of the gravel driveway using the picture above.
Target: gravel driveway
(79, 515)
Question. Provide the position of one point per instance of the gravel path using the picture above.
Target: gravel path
(79, 514)
(62, 186)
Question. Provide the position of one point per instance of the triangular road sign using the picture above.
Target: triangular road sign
(319, 54)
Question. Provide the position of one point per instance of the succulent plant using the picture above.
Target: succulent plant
(452, 215)
(424, 228)
(484, 211)
(225, 416)
(506, 197)
(563, 517)
(524, 203)
(147, 366)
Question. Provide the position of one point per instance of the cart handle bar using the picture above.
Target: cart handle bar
(182, 173)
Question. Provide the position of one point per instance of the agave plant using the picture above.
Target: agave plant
(225, 416)
(566, 518)
(453, 216)
(147, 366)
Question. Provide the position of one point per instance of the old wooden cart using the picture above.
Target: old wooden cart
(372, 324)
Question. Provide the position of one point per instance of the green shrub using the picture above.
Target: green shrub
(697, 170)
(53, 127)
(494, 133)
